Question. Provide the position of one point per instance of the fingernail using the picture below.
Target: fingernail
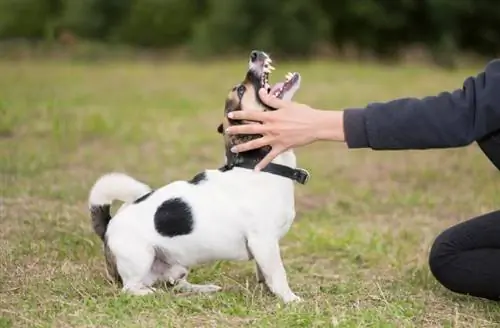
(230, 115)
(233, 149)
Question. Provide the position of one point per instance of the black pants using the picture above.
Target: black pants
(466, 257)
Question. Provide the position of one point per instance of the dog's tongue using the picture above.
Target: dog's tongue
(276, 87)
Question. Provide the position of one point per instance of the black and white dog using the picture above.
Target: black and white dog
(231, 213)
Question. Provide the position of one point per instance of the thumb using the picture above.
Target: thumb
(271, 100)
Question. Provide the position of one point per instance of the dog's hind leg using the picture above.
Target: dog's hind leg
(182, 285)
(176, 275)
(134, 261)
(172, 273)
(266, 253)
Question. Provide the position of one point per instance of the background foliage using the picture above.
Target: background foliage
(294, 27)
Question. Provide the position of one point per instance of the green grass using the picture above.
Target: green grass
(357, 252)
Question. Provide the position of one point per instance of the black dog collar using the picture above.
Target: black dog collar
(299, 175)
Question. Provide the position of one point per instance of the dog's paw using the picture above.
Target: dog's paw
(293, 299)
(140, 291)
(207, 288)
(186, 287)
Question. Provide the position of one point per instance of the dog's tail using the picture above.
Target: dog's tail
(108, 188)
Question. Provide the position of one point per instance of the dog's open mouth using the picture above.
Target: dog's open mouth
(278, 89)
(260, 64)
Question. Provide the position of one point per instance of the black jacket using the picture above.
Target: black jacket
(449, 119)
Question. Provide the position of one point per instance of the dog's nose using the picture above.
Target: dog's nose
(253, 56)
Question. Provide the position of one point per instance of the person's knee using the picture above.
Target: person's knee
(441, 256)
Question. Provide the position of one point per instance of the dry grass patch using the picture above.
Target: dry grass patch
(357, 253)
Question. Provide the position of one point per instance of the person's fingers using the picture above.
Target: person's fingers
(247, 129)
(250, 115)
(268, 158)
(271, 100)
(253, 144)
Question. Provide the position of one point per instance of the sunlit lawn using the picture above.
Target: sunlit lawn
(357, 252)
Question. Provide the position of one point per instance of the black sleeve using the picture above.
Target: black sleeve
(449, 119)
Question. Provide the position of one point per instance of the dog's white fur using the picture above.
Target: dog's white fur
(238, 215)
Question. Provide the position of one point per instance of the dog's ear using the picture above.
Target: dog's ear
(230, 104)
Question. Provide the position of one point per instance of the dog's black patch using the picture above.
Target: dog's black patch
(111, 264)
(199, 178)
(174, 218)
(100, 217)
(219, 128)
(143, 197)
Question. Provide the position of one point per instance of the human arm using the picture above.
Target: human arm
(450, 119)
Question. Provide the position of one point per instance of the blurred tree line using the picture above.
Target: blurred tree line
(292, 27)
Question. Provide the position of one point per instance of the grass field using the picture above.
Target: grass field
(357, 252)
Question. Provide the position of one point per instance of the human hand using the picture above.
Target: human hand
(291, 125)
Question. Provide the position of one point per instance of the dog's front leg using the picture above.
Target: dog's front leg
(266, 253)
(258, 274)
